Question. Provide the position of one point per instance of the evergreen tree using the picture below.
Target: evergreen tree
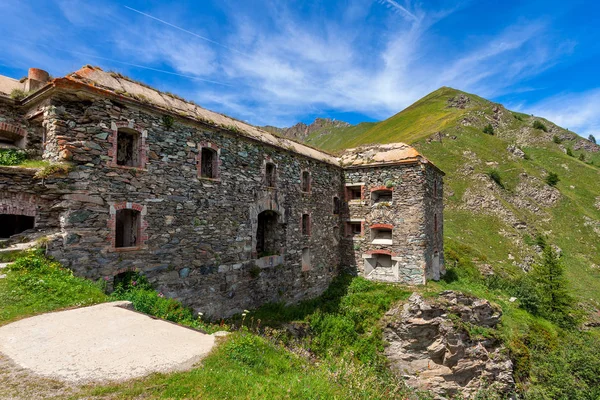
(555, 300)
(592, 139)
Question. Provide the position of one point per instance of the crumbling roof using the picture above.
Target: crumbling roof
(381, 154)
(118, 85)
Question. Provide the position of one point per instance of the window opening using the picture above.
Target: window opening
(305, 181)
(270, 171)
(208, 167)
(127, 228)
(353, 228)
(336, 206)
(270, 234)
(381, 196)
(381, 235)
(128, 146)
(305, 224)
(354, 192)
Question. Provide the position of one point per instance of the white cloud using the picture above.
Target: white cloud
(577, 112)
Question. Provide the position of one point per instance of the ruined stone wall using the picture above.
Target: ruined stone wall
(17, 130)
(405, 214)
(197, 235)
(22, 194)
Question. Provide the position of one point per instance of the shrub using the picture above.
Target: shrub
(538, 125)
(556, 139)
(18, 94)
(570, 152)
(489, 129)
(552, 179)
(592, 139)
(581, 157)
(517, 116)
(168, 121)
(12, 157)
(495, 176)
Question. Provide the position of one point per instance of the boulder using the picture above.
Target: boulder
(438, 345)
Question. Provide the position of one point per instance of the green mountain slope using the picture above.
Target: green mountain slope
(499, 223)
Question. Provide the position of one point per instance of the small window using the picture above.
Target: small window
(127, 228)
(435, 223)
(270, 174)
(306, 224)
(208, 163)
(381, 235)
(306, 265)
(128, 147)
(353, 193)
(336, 206)
(353, 229)
(305, 181)
(381, 196)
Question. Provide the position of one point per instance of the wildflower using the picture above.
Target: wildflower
(246, 311)
(161, 295)
(106, 278)
(133, 283)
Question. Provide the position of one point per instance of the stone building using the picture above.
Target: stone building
(215, 212)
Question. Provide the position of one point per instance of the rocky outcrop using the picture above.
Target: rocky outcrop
(447, 346)
(301, 131)
(460, 101)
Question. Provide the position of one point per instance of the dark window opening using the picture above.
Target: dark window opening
(128, 147)
(435, 222)
(11, 224)
(353, 228)
(354, 192)
(381, 196)
(305, 181)
(305, 224)
(127, 228)
(270, 171)
(208, 166)
(270, 234)
(336, 205)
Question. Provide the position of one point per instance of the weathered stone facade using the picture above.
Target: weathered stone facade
(213, 211)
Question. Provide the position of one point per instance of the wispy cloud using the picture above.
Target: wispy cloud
(272, 64)
(577, 112)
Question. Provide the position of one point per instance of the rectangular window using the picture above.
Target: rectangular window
(270, 174)
(381, 235)
(353, 193)
(306, 224)
(353, 228)
(128, 147)
(305, 181)
(208, 163)
(127, 228)
(381, 196)
(336, 206)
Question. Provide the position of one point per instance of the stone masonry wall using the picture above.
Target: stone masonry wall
(405, 213)
(434, 223)
(199, 233)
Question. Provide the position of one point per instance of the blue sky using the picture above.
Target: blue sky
(280, 62)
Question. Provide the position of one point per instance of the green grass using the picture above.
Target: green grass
(34, 285)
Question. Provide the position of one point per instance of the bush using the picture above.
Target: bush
(489, 129)
(495, 176)
(538, 125)
(570, 152)
(582, 157)
(552, 179)
(556, 139)
(12, 157)
(592, 139)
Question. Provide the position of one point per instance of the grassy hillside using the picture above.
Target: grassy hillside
(498, 222)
